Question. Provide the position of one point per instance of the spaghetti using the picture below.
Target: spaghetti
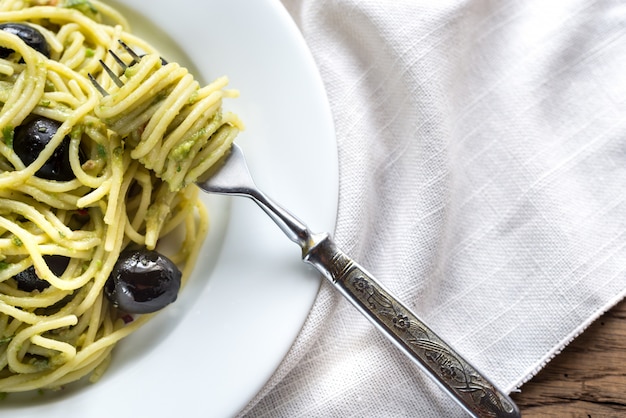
(132, 155)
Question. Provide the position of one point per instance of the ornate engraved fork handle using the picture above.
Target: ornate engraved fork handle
(455, 375)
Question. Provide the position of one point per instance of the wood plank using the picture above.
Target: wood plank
(588, 379)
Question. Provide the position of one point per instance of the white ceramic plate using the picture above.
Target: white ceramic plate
(211, 352)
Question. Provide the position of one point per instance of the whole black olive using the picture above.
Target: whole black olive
(31, 137)
(143, 281)
(31, 37)
(27, 280)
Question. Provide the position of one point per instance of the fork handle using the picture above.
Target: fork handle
(474, 392)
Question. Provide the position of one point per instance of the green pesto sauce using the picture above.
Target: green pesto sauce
(130, 71)
(84, 6)
(182, 151)
(7, 135)
(77, 132)
(102, 151)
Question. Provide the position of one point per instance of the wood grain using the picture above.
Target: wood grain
(588, 379)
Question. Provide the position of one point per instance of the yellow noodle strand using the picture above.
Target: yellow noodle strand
(134, 154)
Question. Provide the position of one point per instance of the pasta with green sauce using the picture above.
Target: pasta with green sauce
(91, 183)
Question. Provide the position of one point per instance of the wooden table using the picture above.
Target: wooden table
(588, 379)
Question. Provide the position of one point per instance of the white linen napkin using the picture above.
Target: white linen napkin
(482, 152)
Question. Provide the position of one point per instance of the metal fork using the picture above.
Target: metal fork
(455, 375)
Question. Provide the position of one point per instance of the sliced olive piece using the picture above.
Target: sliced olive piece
(28, 280)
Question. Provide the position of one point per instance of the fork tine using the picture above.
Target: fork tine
(118, 60)
(112, 74)
(97, 85)
(133, 54)
(116, 79)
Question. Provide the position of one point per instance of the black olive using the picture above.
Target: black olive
(31, 138)
(31, 37)
(143, 281)
(27, 280)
